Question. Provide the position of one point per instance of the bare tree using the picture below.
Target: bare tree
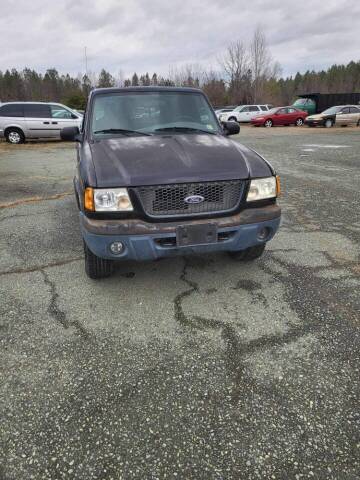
(214, 87)
(261, 63)
(188, 75)
(235, 64)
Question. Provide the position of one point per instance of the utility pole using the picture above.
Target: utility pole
(86, 65)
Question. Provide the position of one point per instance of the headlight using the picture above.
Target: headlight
(262, 188)
(109, 200)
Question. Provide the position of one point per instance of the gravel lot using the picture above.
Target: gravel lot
(186, 368)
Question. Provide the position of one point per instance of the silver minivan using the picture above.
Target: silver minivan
(22, 120)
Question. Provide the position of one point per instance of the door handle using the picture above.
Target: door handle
(54, 123)
(46, 123)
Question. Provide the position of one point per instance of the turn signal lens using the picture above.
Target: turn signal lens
(89, 199)
(278, 186)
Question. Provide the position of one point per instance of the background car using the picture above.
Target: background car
(349, 115)
(339, 115)
(326, 118)
(219, 111)
(22, 120)
(243, 113)
(281, 116)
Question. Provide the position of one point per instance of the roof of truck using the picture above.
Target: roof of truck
(145, 89)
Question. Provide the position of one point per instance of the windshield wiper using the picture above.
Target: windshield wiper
(121, 130)
(183, 129)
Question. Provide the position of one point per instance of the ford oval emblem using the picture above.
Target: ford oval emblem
(194, 199)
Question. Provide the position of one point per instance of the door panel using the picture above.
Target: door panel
(343, 118)
(244, 115)
(37, 119)
(293, 115)
(254, 112)
(354, 115)
(61, 117)
(281, 117)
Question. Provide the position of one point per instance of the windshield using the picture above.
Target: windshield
(148, 113)
(331, 110)
(304, 101)
(271, 111)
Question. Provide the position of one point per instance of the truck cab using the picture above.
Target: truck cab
(306, 104)
(157, 175)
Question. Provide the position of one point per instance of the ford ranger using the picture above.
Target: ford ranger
(157, 175)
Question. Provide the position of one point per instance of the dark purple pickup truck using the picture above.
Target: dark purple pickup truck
(158, 176)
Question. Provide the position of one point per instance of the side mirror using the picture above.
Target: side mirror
(71, 134)
(230, 128)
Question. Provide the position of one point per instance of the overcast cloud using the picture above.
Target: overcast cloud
(150, 35)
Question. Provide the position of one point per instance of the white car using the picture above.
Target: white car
(218, 112)
(244, 113)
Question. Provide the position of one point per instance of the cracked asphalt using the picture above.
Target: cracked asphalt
(186, 368)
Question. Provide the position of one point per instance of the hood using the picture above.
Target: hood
(158, 159)
(319, 116)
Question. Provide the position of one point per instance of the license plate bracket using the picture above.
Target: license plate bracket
(190, 235)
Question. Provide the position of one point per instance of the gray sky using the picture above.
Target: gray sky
(150, 35)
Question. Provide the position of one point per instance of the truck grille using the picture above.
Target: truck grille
(169, 200)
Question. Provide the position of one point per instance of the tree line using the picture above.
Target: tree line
(245, 73)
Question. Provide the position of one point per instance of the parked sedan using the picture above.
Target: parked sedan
(349, 115)
(326, 118)
(280, 116)
(341, 115)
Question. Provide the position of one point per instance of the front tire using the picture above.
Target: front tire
(328, 123)
(268, 123)
(299, 122)
(96, 267)
(14, 136)
(248, 254)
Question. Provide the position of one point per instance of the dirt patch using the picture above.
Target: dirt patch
(34, 200)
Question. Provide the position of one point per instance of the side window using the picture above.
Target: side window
(263, 108)
(253, 108)
(36, 110)
(345, 110)
(282, 111)
(291, 110)
(245, 109)
(354, 110)
(12, 110)
(60, 112)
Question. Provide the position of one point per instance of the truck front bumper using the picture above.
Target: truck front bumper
(149, 241)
